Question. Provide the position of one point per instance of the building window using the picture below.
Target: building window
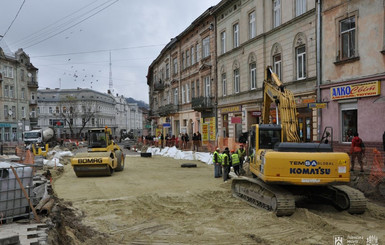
(175, 65)
(349, 121)
(14, 134)
(198, 88)
(192, 89)
(57, 109)
(253, 76)
(14, 111)
(300, 7)
(182, 66)
(187, 58)
(224, 84)
(8, 71)
(348, 37)
(6, 91)
(6, 134)
(276, 13)
(187, 93)
(197, 53)
(50, 110)
(183, 95)
(236, 35)
(192, 56)
(175, 96)
(252, 30)
(22, 112)
(236, 81)
(277, 65)
(22, 75)
(23, 93)
(167, 71)
(5, 111)
(11, 92)
(206, 47)
(301, 62)
(207, 86)
(223, 42)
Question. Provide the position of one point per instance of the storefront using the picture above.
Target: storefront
(355, 107)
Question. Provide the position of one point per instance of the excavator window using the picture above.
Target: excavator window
(268, 138)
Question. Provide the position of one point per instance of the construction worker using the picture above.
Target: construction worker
(226, 165)
(241, 154)
(217, 161)
(235, 161)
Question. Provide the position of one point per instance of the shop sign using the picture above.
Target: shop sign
(307, 101)
(5, 125)
(356, 90)
(236, 120)
(256, 113)
(205, 133)
(316, 105)
(231, 109)
(166, 125)
(147, 126)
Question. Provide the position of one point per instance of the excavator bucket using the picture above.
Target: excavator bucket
(93, 164)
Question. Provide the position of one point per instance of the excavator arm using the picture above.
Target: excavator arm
(274, 92)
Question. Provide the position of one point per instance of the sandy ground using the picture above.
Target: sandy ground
(155, 201)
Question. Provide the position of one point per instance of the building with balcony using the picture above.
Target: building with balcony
(181, 81)
(18, 88)
(252, 35)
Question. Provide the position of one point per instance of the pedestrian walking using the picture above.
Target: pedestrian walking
(226, 165)
(195, 142)
(241, 154)
(356, 151)
(186, 140)
(235, 162)
(217, 161)
(199, 137)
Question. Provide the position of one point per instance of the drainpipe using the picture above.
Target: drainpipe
(319, 67)
(216, 82)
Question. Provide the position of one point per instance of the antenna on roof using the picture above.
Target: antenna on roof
(110, 84)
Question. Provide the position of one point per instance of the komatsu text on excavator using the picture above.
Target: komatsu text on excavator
(104, 156)
(283, 167)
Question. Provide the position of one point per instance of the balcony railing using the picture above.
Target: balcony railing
(168, 109)
(158, 86)
(32, 84)
(202, 103)
(33, 102)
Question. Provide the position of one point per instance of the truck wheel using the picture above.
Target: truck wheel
(120, 158)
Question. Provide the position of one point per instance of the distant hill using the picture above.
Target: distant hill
(139, 102)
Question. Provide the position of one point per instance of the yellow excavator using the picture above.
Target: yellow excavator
(283, 167)
(103, 155)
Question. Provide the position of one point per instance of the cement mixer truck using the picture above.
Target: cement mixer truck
(43, 136)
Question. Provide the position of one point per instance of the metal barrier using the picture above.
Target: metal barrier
(13, 203)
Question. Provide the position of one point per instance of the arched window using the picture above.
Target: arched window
(300, 56)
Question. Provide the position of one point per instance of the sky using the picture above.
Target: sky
(70, 41)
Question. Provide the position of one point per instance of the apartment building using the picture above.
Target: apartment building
(182, 81)
(353, 70)
(252, 35)
(18, 89)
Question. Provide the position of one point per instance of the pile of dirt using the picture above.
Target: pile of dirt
(372, 187)
(67, 226)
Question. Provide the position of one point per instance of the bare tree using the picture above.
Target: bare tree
(72, 110)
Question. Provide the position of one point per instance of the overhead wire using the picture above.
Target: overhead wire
(97, 51)
(40, 32)
(17, 14)
(77, 23)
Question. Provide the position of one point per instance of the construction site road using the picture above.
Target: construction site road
(155, 201)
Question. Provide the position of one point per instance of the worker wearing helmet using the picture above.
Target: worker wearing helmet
(217, 161)
(241, 154)
(226, 164)
(235, 161)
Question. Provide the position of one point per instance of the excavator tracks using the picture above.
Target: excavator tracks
(348, 198)
(260, 195)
